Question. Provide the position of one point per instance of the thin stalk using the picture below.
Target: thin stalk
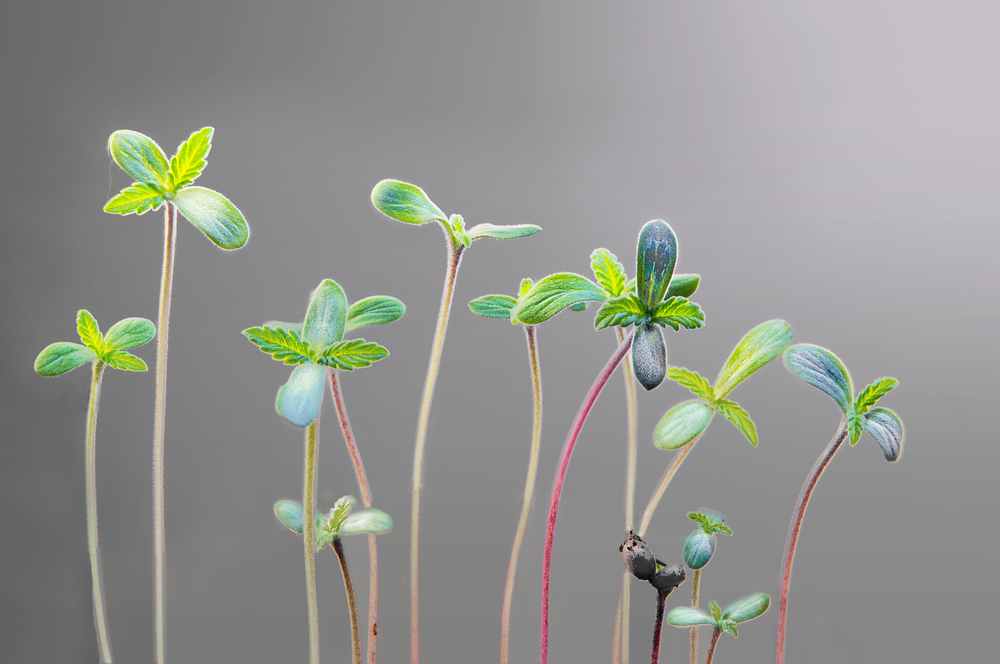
(366, 500)
(309, 535)
(711, 646)
(529, 491)
(695, 583)
(454, 259)
(661, 601)
(616, 639)
(557, 484)
(664, 482)
(631, 460)
(100, 616)
(162, 338)
(796, 525)
(351, 604)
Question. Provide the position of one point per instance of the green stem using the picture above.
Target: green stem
(711, 646)
(664, 482)
(529, 491)
(309, 536)
(454, 259)
(100, 616)
(631, 460)
(162, 337)
(351, 604)
(695, 583)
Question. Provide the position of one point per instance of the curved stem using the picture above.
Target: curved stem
(100, 616)
(711, 646)
(796, 525)
(351, 604)
(631, 460)
(664, 482)
(695, 583)
(162, 337)
(309, 535)
(529, 491)
(454, 259)
(366, 500)
(557, 484)
(661, 601)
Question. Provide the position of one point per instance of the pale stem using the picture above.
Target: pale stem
(661, 601)
(100, 616)
(616, 639)
(711, 646)
(351, 604)
(309, 535)
(631, 457)
(664, 482)
(695, 583)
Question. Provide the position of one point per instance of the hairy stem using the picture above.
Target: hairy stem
(664, 482)
(631, 460)
(366, 500)
(661, 601)
(454, 259)
(711, 646)
(529, 491)
(100, 615)
(162, 337)
(557, 484)
(351, 604)
(616, 639)
(796, 525)
(695, 583)
(309, 535)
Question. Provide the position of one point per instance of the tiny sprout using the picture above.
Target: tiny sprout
(700, 544)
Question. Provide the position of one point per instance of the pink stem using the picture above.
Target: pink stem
(661, 601)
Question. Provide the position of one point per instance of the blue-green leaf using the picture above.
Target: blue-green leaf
(699, 548)
(553, 294)
(623, 310)
(748, 608)
(369, 520)
(289, 512)
(186, 165)
(326, 317)
(374, 310)
(886, 427)
(351, 355)
(871, 394)
(683, 285)
(62, 356)
(682, 424)
(739, 417)
(821, 368)
(129, 333)
(123, 361)
(698, 385)
(608, 272)
(501, 232)
(649, 356)
(405, 202)
(136, 199)
(139, 156)
(678, 312)
(655, 258)
(299, 399)
(284, 345)
(90, 333)
(757, 347)
(214, 215)
(493, 306)
(284, 325)
(688, 616)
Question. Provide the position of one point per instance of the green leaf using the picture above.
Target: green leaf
(757, 347)
(299, 399)
(352, 354)
(821, 368)
(693, 381)
(281, 344)
(284, 325)
(289, 512)
(730, 626)
(716, 611)
(855, 426)
(90, 333)
(123, 361)
(886, 427)
(524, 287)
(655, 258)
(374, 310)
(136, 199)
(623, 310)
(129, 333)
(501, 232)
(682, 424)
(186, 165)
(62, 356)
(340, 510)
(748, 608)
(214, 216)
(609, 273)
(739, 417)
(678, 312)
(493, 306)
(553, 294)
(405, 202)
(683, 285)
(871, 394)
(701, 519)
(139, 156)
(326, 316)
(369, 520)
(688, 616)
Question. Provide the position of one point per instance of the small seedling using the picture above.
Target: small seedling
(699, 547)
(740, 611)
(641, 563)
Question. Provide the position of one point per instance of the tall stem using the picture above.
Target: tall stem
(567, 452)
(695, 583)
(631, 460)
(351, 604)
(664, 482)
(661, 601)
(100, 616)
(162, 337)
(454, 258)
(529, 491)
(366, 500)
(309, 535)
(711, 646)
(796, 525)
(616, 639)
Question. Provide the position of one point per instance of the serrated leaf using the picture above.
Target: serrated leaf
(405, 202)
(493, 306)
(352, 354)
(871, 394)
(326, 316)
(701, 519)
(688, 616)
(374, 310)
(655, 257)
(622, 311)
(136, 199)
(682, 424)
(553, 294)
(90, 333)
(186, 165)
(609, 273)
(369, 520)
(281, 344)
(721, 528)
(730, 626)
(747, 608)
(289, 513)
(855, 426)
(649, 356)
(822, 369)
(524, 287)
(340, 511)
(299, 399)
(124, 361)
(62, 356)
(757, 347)
(501, 232)
(739, 417)
(692, 380)
(139, 156)
(678, 312)
(716, 611)
(683, 285)
(886, 427)
(284, 325)
(129, 333)
(214, 215)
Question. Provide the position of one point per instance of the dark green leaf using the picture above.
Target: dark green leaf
(622, 311)
(374, 310)
(757, 347)
(123, 361)
(129, 333)
(326, 317)
(748, 608)
(683, 285)
(688, 616)
(137, 199)
(821, 368)
(553, 294)
(299, 399)
(90, 333)
(62, 356)
(289, 512)
(501, 232)
(281, 344)
(139, 156)
(871, 394)
(693, 381)
(405, 202)
(739, 417)
(678, 312)
(369, 520)
(493, 306)
(682, 424)
(214, 216)
(353, 354)
(655, 258)
(886, 427)
(609, 273)
(649, 356)
(186, 165)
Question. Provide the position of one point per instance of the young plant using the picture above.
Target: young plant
(100, 350)
(642, 564)
(160, 182)
(740, 611)
(821, 368)
(408, 203)
(329, 529)
(698, 550)
(316, 349)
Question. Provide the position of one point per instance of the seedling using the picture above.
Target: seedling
(160, 183)
(699, 548)
(100, 350)
(821, 368)
(408, 203)
(642, 564)
(740, 611)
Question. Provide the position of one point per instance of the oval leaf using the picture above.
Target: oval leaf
(649, 356)
(699, 548)
(683, 285)
(757, 347)
(687, 616)
(553, 294)
(129, 333)
(501, 232)
(374, 310)
(326, 317)
(405, 202)
(682, 424)
(886, 427)
(299, 399)
(139, 156)
(370, 520)
(214, 216)
(821, 368)
(655, 258)
(62, 356)
(289, 512)
(493, 306)
(747, 608)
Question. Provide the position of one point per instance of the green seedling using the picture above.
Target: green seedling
(641, 563)
(108, 350)
(821, 368)
(168, 184)
(740, 611)
(408, 203)
(699, 547)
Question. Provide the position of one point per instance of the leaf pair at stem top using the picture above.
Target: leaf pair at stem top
(110, 348)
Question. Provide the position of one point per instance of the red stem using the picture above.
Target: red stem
(661, 601)
(711, 646)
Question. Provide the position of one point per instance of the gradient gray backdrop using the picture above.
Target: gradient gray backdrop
(835, 164)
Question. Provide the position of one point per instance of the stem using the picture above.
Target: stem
(661, 601)
(668, 475)
(695, 582)
(711, 646)
(162, 337)
(529, 492)
(100, 617)
(796, 525)
(366, 500)
(616, 639)
(309, 536)
(567, 452)
(454, 259)
(351, 604)
(631, 458)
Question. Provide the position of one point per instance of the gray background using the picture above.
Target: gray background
(835, 164)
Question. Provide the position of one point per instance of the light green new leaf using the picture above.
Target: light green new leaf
(822, 369)
(748, 608)
(284, 325)
(129, 333)
(214, 215)
(739, 417)
(123, 361)
(623, 311)
(281, 344)
(757, 347)
(289, 513)
(493, 306)
(299, 399)
(374, 310)
(524, 287)
(501, 232)
(678, 312)
(369, 520)
(608, 272)
(855, 426)
(350, 355)
(729, 626)
(688, 616)
(326, 316)
(553, 294)
(90, 333)
(62, 356)
(682, 424)
(716, 611)
(187, 164)
(137, 199)
(683, 285)
(871, 394)
(698, 385)
(886, 427)
(405, 202)
(139, 156)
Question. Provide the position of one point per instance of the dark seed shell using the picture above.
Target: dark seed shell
(649, 356)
